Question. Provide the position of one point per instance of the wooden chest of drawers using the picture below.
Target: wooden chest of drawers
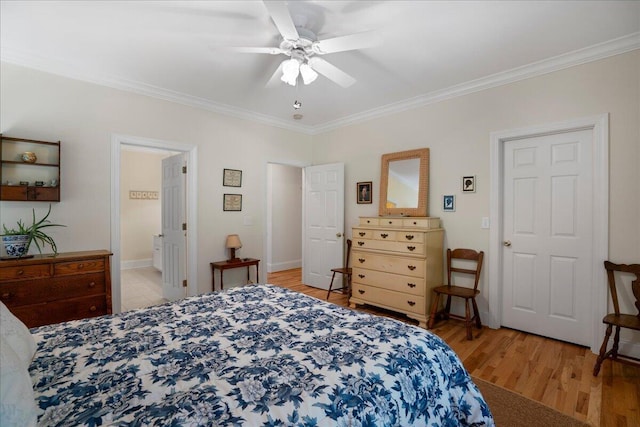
(47, 289)
(396, 263)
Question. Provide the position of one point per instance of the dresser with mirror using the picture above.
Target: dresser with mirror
(397, 257)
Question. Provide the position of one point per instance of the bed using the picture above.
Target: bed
(258, 355)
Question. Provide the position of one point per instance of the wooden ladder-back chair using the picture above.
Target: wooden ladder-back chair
(617, 319)
(345, 271)
(451, 290)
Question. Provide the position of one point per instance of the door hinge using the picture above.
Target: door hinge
(184, 226)
(184, 169)
(184, 283)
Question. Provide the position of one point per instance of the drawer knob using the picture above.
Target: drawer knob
(93, 308)
(409, 237)
(6, 295)
(411, 285)
(361, 291)
(411, 248)
(390, 222)
(362, 233)
(384, 235)
(361, 276)
(415, 222)
(80, 266)
(368, 221)
(19, 272)
(92, 284)
(411, 267)
(411, 303)
(360, 243)
(362, 260)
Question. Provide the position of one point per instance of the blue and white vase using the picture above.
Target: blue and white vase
(16, 246)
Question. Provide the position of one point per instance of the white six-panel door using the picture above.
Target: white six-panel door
(174, 237)
(323, 223)
(547, 227)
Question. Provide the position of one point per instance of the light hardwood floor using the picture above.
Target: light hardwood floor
(555, 373)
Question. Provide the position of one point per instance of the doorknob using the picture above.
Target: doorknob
(338, 234)
(507, 243)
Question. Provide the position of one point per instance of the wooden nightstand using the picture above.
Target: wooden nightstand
(226, 265)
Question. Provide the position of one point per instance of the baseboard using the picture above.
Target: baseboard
(281, 266)
(628, 348)
(136, 263)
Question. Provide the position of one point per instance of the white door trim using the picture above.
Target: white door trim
(192, 209)
(599, 125)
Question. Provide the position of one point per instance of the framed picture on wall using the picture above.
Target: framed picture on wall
(232, 202)
(449, 203)
(468, 184)
(232, 178)
(364, 192)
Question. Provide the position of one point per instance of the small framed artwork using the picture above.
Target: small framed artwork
(449, 203)
(232, 178)
(468, 184)
(364, 192)
(232, 202)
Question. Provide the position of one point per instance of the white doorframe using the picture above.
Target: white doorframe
(266, 243)
(192, 209)
(599, 125)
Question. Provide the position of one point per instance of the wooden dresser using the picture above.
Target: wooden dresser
(396, 263)
(47, 289)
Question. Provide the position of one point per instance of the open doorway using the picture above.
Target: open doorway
(284, 217)
(122, 143)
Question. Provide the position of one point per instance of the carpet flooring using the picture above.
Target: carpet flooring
(510, 409)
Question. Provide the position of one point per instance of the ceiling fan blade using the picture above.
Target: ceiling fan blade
(269, 50)
(282, 18)
(331, 72)
(275, 78)
(350, 42)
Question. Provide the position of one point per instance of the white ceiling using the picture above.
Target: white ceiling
(429, 50)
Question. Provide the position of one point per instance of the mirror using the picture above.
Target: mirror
(404, 183)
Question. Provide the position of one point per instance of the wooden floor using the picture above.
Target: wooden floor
(555, 373)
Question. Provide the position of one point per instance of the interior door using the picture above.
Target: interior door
(547, 227)
(323, 223)
(174, 253)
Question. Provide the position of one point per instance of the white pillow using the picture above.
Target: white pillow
(17, 402)
(17, 335)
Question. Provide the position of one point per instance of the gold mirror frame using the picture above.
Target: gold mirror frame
(423, 189)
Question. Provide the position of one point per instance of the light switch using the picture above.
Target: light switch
(485, 222)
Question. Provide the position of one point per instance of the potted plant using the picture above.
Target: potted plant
(17, 240)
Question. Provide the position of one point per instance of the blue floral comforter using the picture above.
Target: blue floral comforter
(257, 356)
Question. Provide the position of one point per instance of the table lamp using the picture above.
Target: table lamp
(233, 243)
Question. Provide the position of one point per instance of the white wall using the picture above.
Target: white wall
(84, 116)
(286, 217)
(140, 219)
(457, 133)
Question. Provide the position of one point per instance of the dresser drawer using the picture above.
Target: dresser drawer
(400, 247)
(409, 236)
(21, 272)
(390, 281)
(390, 299)
(430, 222)
(52, 289)
(384, 235)
(369, 221)
(79, 267)
(390, 222)
(361, 233)
(390, 264)
(61, 311)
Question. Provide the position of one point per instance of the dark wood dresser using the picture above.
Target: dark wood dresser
(47, 289)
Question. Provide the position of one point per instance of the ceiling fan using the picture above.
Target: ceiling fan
(304, 50)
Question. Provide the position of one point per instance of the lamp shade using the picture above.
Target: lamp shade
(233, 241)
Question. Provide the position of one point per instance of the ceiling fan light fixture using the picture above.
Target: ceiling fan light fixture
(290, 71)
(308, 74)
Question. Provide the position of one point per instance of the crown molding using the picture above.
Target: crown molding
(72, 71)
(581, 56)
(560, 62)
